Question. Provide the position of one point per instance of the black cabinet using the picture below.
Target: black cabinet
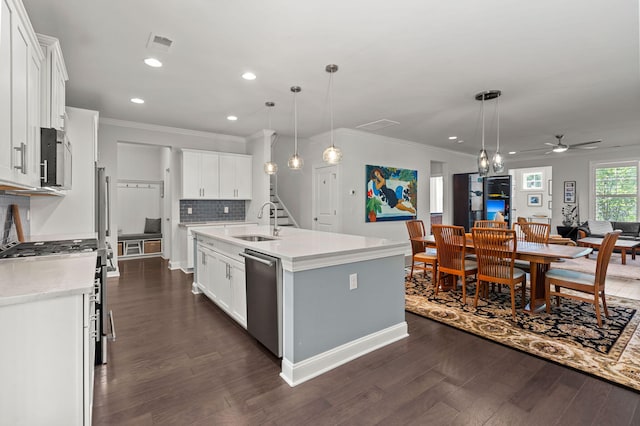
(467, 199)
(568, 232)
(497, 197)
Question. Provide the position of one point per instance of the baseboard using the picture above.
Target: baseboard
(175, 265)
(300, 372)
(113, 274)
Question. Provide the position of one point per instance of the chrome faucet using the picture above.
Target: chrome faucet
(276, 230)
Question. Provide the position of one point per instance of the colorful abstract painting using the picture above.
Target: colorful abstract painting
(391, 193)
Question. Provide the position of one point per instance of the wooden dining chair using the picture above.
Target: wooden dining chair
(496, 253)
(583, 282)
(490, 224)
(451, 248)
(534, 232)
(423, 258)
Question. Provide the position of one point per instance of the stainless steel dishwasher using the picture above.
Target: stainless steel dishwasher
(264, 299)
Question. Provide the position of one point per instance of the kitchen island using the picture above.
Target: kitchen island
(342, 295)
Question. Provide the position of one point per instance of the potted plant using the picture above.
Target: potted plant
(374, 206)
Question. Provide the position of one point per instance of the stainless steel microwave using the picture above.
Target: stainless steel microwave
(55, 157)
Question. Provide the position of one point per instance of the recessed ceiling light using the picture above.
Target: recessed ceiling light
(249, 76)
(232, 118)
(137, 100)
(451, 138)
(153, 62)
(512, 152)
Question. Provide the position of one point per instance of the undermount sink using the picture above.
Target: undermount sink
(255, 238)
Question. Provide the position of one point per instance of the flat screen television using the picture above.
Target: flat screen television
(494, 206)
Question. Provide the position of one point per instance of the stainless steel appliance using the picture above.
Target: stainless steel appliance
(55, 157)
(264, 299)
(102, 223)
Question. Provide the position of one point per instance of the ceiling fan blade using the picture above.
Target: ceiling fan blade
(548, 152)
(550, 143)
(581, 144)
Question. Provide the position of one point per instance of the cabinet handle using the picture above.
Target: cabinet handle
(23, 151)
(45, 171)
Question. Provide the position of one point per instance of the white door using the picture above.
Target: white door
(325, 198)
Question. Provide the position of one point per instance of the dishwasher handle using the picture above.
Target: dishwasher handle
(258, 259)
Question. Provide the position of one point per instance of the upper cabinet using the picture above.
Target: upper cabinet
(215, 175)
(20, 66)
(235, 176)
(200, 175)
(54, 81)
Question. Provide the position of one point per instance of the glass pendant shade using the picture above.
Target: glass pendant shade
(295, 162)
(483, 162)
(332, 155)
(498, 162)
(270, 168)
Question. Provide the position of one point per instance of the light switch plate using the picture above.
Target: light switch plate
(353, 281)
(226, 209)
(189, 210)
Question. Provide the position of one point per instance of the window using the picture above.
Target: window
(532, 180)
(616, 192)
(436, 194)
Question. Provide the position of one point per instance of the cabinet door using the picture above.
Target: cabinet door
(209, 176)
(6, 146)
(33, 120)
(191, 188)
(58, 93)
(19, 85)
(244, 178)
(227, 177)
(238, 292)
(202, 270)
(220, 286)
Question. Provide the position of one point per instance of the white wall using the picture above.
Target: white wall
(519, 205)
(259, 147)
(73, 214)
(359, 149)
(111, 132)
(574, 166)
(140, 162)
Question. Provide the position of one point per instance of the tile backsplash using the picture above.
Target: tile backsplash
(8, 227)
(211, 210)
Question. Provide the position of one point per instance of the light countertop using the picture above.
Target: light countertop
(29, 279)
(302, 248)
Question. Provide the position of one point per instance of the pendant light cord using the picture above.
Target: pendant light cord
(483, 96)
(498, 125)
(295, 122)
(331, 105)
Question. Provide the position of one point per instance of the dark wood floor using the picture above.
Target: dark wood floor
(180, 360)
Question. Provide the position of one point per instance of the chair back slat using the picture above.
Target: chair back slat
(451, 245)
(416, 229)
(495, 250)
(490, 224)
(604, 255)
(534, 232)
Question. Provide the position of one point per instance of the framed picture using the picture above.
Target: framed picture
(569, 191)
(391, 193)
(534, 200)
(549, 186)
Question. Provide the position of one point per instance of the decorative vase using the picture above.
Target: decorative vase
(567, 222)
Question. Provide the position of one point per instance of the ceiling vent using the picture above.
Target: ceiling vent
(159, 43)
(377, 125)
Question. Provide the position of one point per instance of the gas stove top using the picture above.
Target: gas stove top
(47, 248)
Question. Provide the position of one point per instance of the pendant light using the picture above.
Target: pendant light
(270, 167)
(483, 157)
(497, 163)
(331, 155)
(295, 162)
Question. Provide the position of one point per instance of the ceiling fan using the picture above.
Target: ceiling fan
(561, 147)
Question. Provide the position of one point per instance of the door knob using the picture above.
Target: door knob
(315, 218)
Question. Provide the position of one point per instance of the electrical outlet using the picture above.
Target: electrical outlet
(189, 210)
(226, 209)
(353, 281)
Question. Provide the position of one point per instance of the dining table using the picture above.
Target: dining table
(540, 257)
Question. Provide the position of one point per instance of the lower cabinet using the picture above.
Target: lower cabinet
(47, 376)
(222, 279)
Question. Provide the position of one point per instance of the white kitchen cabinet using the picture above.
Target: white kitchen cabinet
(53, 83)
(47, 376)
(220, 275)
(235, 176)
(200, 175)
(20, 58)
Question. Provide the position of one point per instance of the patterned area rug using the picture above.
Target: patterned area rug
(569, 335)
